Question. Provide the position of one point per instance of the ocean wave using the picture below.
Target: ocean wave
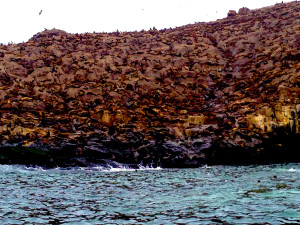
(108, 168)
(125, 168)
(293, 170)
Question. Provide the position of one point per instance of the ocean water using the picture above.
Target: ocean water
(268, 194)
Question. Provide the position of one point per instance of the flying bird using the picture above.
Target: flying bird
(40, 12)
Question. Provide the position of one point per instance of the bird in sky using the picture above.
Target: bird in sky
(40, 12)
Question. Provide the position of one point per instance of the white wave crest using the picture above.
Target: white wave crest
(293, 170)
(125, 168)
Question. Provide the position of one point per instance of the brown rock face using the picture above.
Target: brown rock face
(220, 92)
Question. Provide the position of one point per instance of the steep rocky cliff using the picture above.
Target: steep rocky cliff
(219, 92)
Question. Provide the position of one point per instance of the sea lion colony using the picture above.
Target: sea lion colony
(219, 92)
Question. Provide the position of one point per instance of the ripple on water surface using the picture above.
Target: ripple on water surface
(207, 195)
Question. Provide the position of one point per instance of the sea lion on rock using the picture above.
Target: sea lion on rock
(244, 11)
(231, 13)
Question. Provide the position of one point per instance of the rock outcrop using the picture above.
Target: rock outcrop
(219, 92)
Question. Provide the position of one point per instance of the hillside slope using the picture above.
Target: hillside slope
(219, 92)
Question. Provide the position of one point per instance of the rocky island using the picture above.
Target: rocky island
(223, 92)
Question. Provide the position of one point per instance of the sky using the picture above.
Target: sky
(21, 19)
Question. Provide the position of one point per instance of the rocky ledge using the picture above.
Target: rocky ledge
(224, 92)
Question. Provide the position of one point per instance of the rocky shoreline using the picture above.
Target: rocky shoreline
(224, 92)
(169, 154)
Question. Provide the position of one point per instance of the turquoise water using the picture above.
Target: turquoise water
(208, 195)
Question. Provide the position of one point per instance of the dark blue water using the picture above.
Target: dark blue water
(208, 195)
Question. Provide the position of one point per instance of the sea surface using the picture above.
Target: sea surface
(268, 194)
